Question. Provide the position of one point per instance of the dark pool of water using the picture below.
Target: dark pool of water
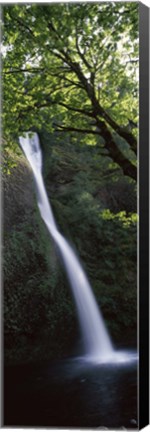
(71, 394)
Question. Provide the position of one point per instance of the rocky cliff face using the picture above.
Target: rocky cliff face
(18, 195)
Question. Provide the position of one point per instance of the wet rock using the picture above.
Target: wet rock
(133, 421)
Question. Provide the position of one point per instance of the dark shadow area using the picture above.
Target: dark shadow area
(71, 394)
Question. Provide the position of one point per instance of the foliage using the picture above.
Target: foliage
(33, 287)
(73, 68)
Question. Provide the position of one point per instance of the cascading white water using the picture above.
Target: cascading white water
(97, 343)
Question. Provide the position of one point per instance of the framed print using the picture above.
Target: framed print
(75, 223)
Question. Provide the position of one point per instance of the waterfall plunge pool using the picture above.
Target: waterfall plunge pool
(116, 357)
(74, 393)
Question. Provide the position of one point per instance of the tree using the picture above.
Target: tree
(73, 68)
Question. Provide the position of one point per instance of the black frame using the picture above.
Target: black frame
(144, 218)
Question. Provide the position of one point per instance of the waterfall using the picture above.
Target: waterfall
(97, 343)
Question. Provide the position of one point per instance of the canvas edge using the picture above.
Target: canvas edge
(144, 19)
(143, 395)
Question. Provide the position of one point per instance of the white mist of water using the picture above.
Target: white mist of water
(97, 343)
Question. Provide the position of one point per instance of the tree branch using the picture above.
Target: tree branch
(19, 21)
(128, 136)
(115, 153)
(109, 144)
(34, 70)
(81, 111)
(73, 129)
(87, 64)
(76, 84)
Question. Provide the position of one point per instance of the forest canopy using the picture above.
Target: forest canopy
(74, 69)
